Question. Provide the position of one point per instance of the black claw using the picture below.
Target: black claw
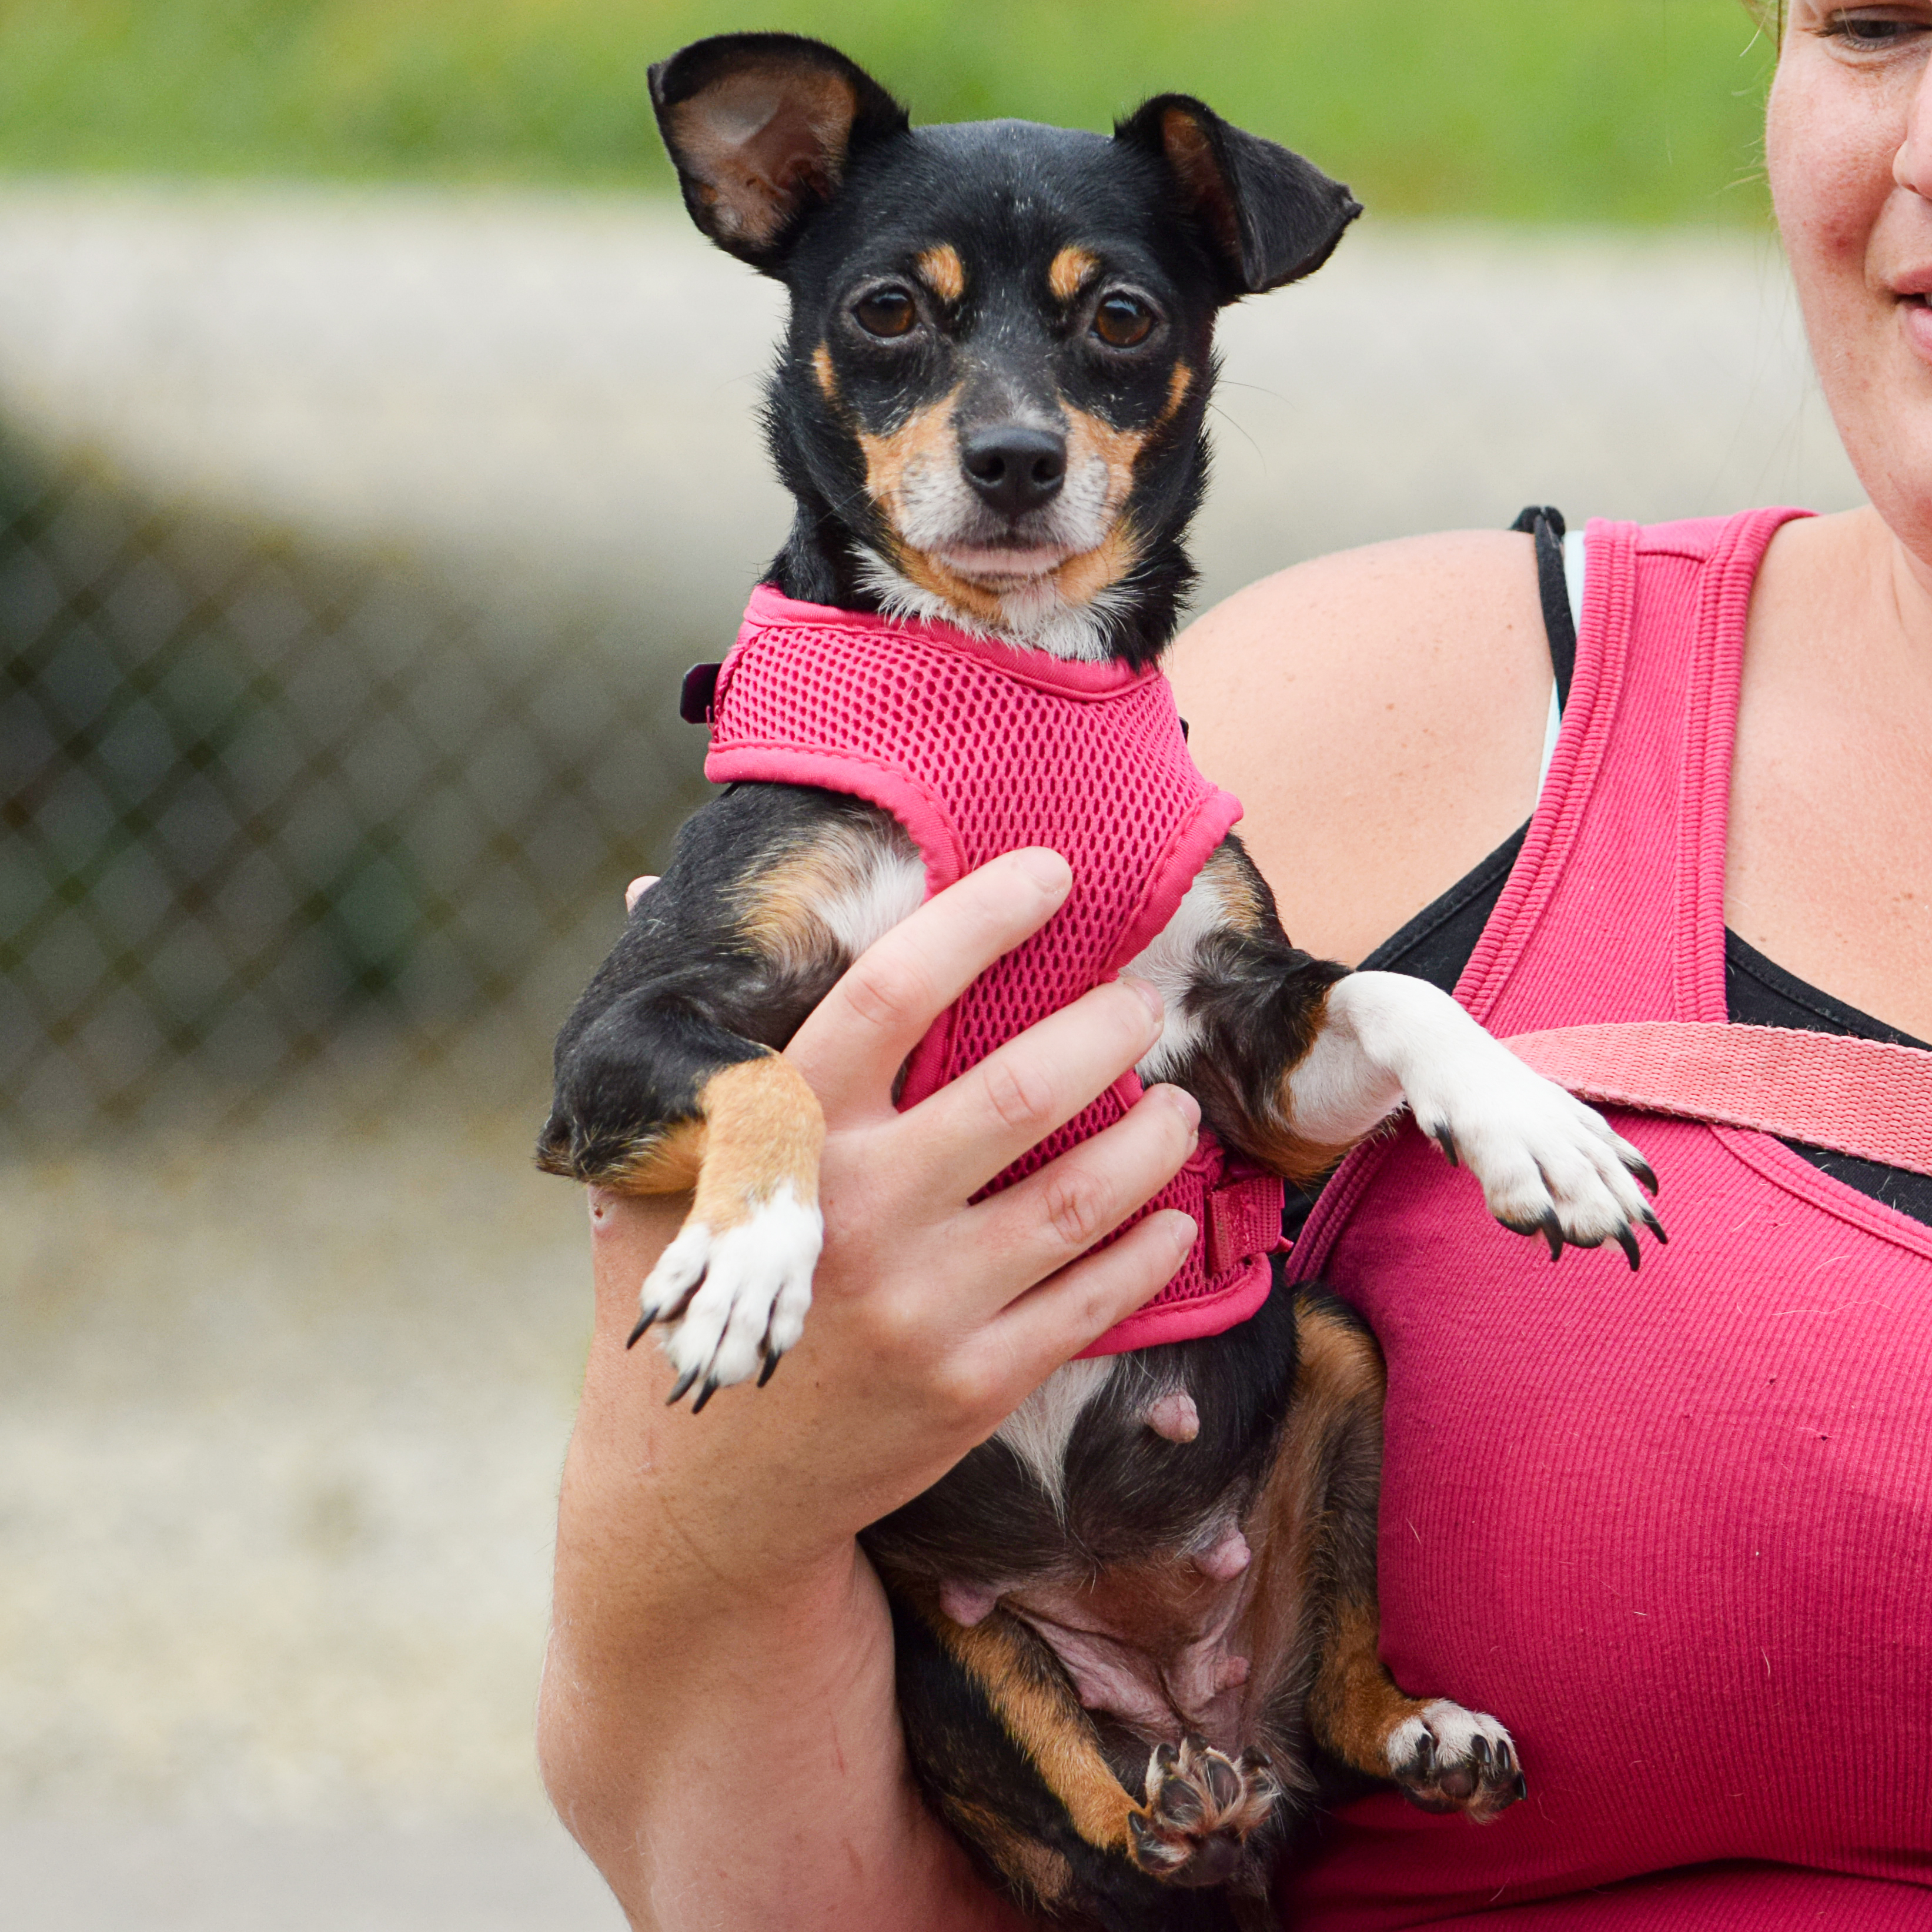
(772, 1358)
(705, 1394)
(1426, 1752)
(637, 1334)
(1552, 1233)
(678, 1388)
(1627, 1241)
(1520, 1789)
(1479, 1748)
(1644, 1171)
(1446, 1141)
(1656, 1227)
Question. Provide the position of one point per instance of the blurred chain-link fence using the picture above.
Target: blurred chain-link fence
(270, 814)
(350, 547)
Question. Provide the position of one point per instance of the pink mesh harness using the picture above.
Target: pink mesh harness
(977, 749)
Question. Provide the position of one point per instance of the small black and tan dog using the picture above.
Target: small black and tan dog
(1133, 1625)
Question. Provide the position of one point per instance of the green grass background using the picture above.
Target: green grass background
(1590, 111)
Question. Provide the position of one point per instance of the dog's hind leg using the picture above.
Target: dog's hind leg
(1019, 1768)
(1443, 1757)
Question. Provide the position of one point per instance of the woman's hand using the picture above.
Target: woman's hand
(719, 1645)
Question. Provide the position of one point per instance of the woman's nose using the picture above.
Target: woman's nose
(1912, 166)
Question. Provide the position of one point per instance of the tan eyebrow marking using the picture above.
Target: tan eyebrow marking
(944, 272)
(1069, 272)
(821, 367)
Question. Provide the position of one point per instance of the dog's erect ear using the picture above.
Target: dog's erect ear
(761, 127)
(1271, 217)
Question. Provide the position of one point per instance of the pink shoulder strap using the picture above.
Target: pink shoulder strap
(1860, 1096)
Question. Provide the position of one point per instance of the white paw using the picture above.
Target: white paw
(1547, 1163)
(1451, 1759)
(735, 1299)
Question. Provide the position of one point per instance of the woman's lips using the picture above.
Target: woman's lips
(1916, 317)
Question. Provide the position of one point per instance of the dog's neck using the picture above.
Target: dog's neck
(1131, 622)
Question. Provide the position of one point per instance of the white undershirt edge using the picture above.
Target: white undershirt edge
(1573, 561)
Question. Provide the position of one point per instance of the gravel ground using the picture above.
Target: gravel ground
(283, 1416)
(281, 1424)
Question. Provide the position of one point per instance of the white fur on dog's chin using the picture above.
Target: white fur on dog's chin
(1034, 615)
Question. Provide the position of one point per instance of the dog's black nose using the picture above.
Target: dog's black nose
(1014, 470)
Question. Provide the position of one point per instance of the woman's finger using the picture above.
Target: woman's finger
(853, 1043)
(982, 1122)
(1052, 1323)
(637, 889)
(1042, 1224)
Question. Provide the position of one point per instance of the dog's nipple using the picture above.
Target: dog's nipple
(1175, 1417)
(1227, 1559)
(966, 1603)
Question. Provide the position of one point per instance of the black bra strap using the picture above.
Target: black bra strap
(1545, 524)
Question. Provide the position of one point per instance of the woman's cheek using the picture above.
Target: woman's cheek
(1830, 141)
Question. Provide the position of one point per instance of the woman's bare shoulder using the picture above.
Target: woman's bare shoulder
(1380, 713)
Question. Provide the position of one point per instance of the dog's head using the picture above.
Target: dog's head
(991, 400)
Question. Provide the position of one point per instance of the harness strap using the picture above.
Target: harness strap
(1863, 1097)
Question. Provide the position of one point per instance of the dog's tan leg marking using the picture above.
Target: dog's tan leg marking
(1070, 272)
(1199, 1804)
(733, 1287)
(1037, 1871)
(1444, 1758)
(1326, 1468)
(763, 1132)
(1339, 1387)
(943, 272)
(1037, 1709)
(663, 1162)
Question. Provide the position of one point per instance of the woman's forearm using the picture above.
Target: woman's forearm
(724, 1745)
(718, 1726)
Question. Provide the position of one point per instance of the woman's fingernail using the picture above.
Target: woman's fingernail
(1150, 994)
(1047, 870)
(1183, 1229)
(1184, 1103)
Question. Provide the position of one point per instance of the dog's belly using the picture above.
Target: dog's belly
(1160, 1647)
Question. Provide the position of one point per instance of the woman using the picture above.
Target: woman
(1604, 1547)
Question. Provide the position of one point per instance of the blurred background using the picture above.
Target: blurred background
(377, 445)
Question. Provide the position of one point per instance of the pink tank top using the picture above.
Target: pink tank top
(1673, 1528)
(978, 749)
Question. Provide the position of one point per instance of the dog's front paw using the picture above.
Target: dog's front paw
(1451, 1759)
(1548, 1164)
(734, 1297)
(1201, 1804)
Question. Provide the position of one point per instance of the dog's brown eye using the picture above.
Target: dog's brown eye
(885, 312)
(1123, 321)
